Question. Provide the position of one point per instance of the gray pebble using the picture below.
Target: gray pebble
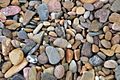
(47, 76)
(73, 66)
(86, 14)
(17, 77)
(89, 7)
(22, 34)
(32, 58)
(117, 72)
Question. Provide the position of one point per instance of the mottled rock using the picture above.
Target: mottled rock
(73, 66)
(110, 64)
(68, 5)
(89, 7)
(115, 6)
(42, 58)
(4, 3)
(117, 72)
(32, 73)
(22, 34)
(116, 26)
(32, 58)
(47, 76)
(18, 77)
(6, 66)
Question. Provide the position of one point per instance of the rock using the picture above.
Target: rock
(61, 52)
(6, 46)
(117, 73)
(36, 30)
(54, 6)
(60, 31)
(15, 2)
(102, 14)
(28, 16)
(68, 75)
(110, 64)
(16, 56)
(77, 54)
(116, 48)
(2, 17)
(32, 58)
(32, 73)
(88, 75)
(42, 58)
(68, 5)
(73, 66)
(106, 43)
(1, 25)
(116, 26)
(108, 35)
(4, 3)
(95, 60)
(18, 77)
(86, 50)
(47, 76)
(10, 10)
(88, 1)
(79, 37)
(89, 38)
(15, 69)
(42, 11)
(22, 34)
(69, 55)
(46, 23)
(115, 39)
(60, 42)
(86, 14)
(101, 55)
(114, 17)
(98, 4)
(26, 73)
(95, 48)
(7, 33)
(53, 59)
(59, 71)
(107, 52)
(6, 66)
(13, 26)
(89, 7)
(80, 10)
(115, 6)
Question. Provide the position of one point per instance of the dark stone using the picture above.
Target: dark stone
(18, 77)
(117, 72)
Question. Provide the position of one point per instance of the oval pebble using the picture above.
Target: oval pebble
(110, 64)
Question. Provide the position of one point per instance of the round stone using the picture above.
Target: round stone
(42, 58)
(110, 64)
(73, 66)
(68, 5)
(59, 71)
(106, 43)
(4, 3)
(80, 10)
(88, 1)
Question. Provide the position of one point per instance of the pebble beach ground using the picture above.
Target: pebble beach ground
(59, 39)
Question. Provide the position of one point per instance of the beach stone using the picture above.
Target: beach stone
(1, 25)
(26, 72)
(6, 66)
(54, 6)
(15, 69)
(89, 7)
(95, 48)
(42, 58)
(88, 75)
(86, 14)
(4, 3)
(107, 52)
(115, 39)
(52, 54)
(60, 31)
(98, 4)
(117, 48)
(10, 10)
(102, 14)
(43, 12)
(77, 54)
(28, 16)
(22, 34)
(105, 43)
(69, 55)
(101, 55)
(32, 58)
(32, 73)
(73, 66)
(80, 10)
(60, 42)
(46, 23)
(116, 26)
(59, 71)
(68, 75)
(37, 29)
(68, 5)
(18, 77)
(61, 52)
(16, 56)
(117, 72)
(95, 60)
(7, 33)
(89, 38)
(13, 26)
(88, 1)
(115, 6)
(2, 17)
(110, 64)
(47, 76)
(114, 17)
(108, 35)
(86, 50)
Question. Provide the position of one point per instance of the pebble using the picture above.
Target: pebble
(32, 58)
(101, 55)
(53, 59)
(13, 26)
(32, 73)
(2, 17)
(54, 6)
(43, 12)
(77, 54)
(1, 25)
(110, 64)
(105, 43)
(108, 35)
(73, 66)
(7, 33)
(79, 37)
(114, 17)
(95, 60)
(116, 26)
(22, 34)
(6, 66)
(117, 48)
(47, 76)
(115, 39)
(115, 6)
(18, 77)
(88, 1)
(117, 72)
(28, 16)
(102, 14)
(86, 14)
(37, 29)
(60, 31)
(59, 71)
(49, 70)
(42, 58)
(98, 4)
(86, 50)
(26, 73)
(15, 69)
(60, 42)
(68, 5)
(89, 38)
(68, 75)
(61, 52)
(95, 48)
(10, 10)
(4, 3)
(80, 10)
(89, 7)
(69, 55)
(88, 75)
(107, 52)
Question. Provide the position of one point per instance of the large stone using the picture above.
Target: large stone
(115, 6)
(117, 72)
(32, 73)
(4, 3)
(110, 64)
(52, 54)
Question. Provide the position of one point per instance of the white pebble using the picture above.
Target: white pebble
(37, 29)
(86, 14)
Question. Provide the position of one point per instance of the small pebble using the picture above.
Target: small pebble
(73, 66)
(42, 58)
(110, 64)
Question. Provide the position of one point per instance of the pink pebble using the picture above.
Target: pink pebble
(26, 73)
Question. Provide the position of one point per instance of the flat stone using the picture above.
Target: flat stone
(47, 76)
(4, 3)
(42, 58)
(32, 73)
(106, 43)
(52, 54)
(18, 77)
(102, 14)
(59, 71)
(32, 59)
(116, 26)
(117, 72)
(7, 33)
(6, 66)
(80, 10)
(86, 50)
(107, 52)
(73, 66)
(37, 29)
(114, 17)
(28, 16)
(68, 5)
(15, 69)
(115, 6)
(60, 42)
(95, 60)
(54, 6)
(88, 1)
(88, 75)
(68, 75)
(22, 34)
(69, 55)
(10, 10)
(110, 64)
(2, 17)
(115, 39)
(42, 11)
(13, 26)
(89, 7)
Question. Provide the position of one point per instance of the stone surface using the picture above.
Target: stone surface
(13, 26)
(26, 72)
(114, 17)
(32, 73)
(95, 48)
(108, 35)
(110, 64)
(89, 7)
(22, 34)
(16, 56)
(117, 72)
(52, 54)
(115, 6)
(116, 26)
(10, 10)
(106, 43)
(115, 39)
(69, 55)
(47, 76)
(7, 33)
(80, 10)
(73, 66)
(18, 77)
(2, 17)
(107, 52)
(68, 5)
(4, 3)
(42, 58)
(43, 12)
(6, 66)
(68, 75)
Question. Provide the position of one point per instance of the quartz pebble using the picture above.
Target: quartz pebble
(110, 64)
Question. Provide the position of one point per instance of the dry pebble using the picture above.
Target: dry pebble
(110, 64)
(80, 10)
